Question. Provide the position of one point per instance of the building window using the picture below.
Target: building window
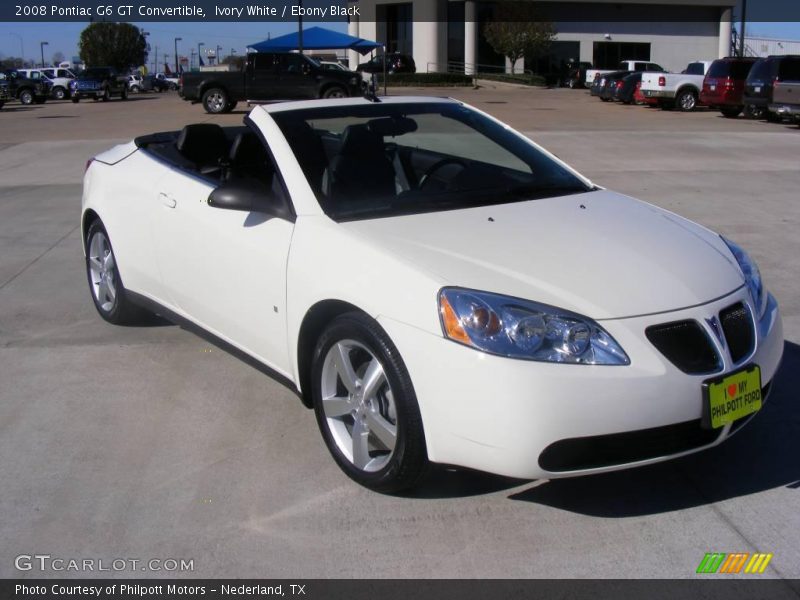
(396, 27)
(608, 55)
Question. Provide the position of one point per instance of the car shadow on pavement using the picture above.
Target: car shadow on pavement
(764, 455)
(19, 108)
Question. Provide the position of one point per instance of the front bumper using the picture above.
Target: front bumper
(500, 415)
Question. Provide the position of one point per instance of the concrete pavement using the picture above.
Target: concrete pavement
(151, 443)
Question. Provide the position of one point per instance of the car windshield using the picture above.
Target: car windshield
(382, 160)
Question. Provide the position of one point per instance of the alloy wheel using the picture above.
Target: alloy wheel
(102, 272)
(359, 406)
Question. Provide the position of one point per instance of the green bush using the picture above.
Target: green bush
(426, 79)
(520, 78)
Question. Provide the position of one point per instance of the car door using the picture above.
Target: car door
(224, 269)
(262, 77)
(295, 78)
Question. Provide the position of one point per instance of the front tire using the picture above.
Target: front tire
(215, 101)
(366, 407)
(105, 284)
(334, 91)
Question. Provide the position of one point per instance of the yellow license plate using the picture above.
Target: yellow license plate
(731, 397)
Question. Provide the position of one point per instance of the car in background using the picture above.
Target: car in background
(613, 81)
(761, 79)
(268, 76)
(99, 83)
(135, 83)
(625, 65)
(151, 83)
(576, 75)
(723, 86)
(333, 65)
(677, 90)
(630, 83)
(173, 82)
(5, 90)
(28, 91)
(786, 99)
(395, 63)
(475, 344)
(58, 79)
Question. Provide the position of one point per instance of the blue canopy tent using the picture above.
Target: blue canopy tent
(316, 38)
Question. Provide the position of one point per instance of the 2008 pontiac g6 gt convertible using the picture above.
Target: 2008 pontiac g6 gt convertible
(437, 287)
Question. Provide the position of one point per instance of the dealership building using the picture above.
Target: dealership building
(446, 35)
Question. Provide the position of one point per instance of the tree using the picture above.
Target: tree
(58, 58)
(119, 45)
(517, 30)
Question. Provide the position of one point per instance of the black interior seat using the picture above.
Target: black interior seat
(249, 158)
(361, 170)
(309, 150)
(204, 144)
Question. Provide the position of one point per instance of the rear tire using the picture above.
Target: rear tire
(123, 95)
(366, 407)
(686, 101)
(731, 112)
(59, 93)
(105, 284)
(215, 101)
(26, 97)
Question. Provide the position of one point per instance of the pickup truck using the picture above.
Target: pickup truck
(27, 91)
(679, 90)
(99, 83)
(626, 65)
(786, 99)
(268, 76)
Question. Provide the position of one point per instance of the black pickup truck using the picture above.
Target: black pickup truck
(266, 77)
(27, 91)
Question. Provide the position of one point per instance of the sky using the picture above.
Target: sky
(63, 37)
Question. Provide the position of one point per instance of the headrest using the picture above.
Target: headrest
(247, 148)
(203, 143)
(359, 141)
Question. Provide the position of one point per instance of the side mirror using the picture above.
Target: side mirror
(248, 196)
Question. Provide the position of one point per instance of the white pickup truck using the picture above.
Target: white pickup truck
(625, 65)
(678, 90)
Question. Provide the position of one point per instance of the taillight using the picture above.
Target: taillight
(662, 81)
(620, 84)
(88, 164)
(638, 85)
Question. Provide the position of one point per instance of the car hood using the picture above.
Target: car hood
(599, 254)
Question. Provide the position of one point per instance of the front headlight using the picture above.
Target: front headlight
(752, 276)
(523, 329)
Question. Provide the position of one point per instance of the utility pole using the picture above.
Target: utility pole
(41, 47)
(177, 69)
(744, 22)
(155, 62)
(300, 30)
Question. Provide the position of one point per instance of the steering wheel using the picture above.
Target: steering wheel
(437, 166)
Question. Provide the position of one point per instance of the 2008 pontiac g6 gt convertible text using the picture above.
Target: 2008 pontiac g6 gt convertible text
(437, 287)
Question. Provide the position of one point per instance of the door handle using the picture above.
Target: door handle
(167, 200)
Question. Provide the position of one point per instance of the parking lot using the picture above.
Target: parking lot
(152, 443)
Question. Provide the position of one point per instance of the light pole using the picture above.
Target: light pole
(41, 47)
(177, 39)
(21, 49)
(199, 59)
(155, 62)
(166, 62)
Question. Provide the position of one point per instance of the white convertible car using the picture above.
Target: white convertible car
(437, 287)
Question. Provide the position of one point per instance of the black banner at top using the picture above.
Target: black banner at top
(331, 11)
